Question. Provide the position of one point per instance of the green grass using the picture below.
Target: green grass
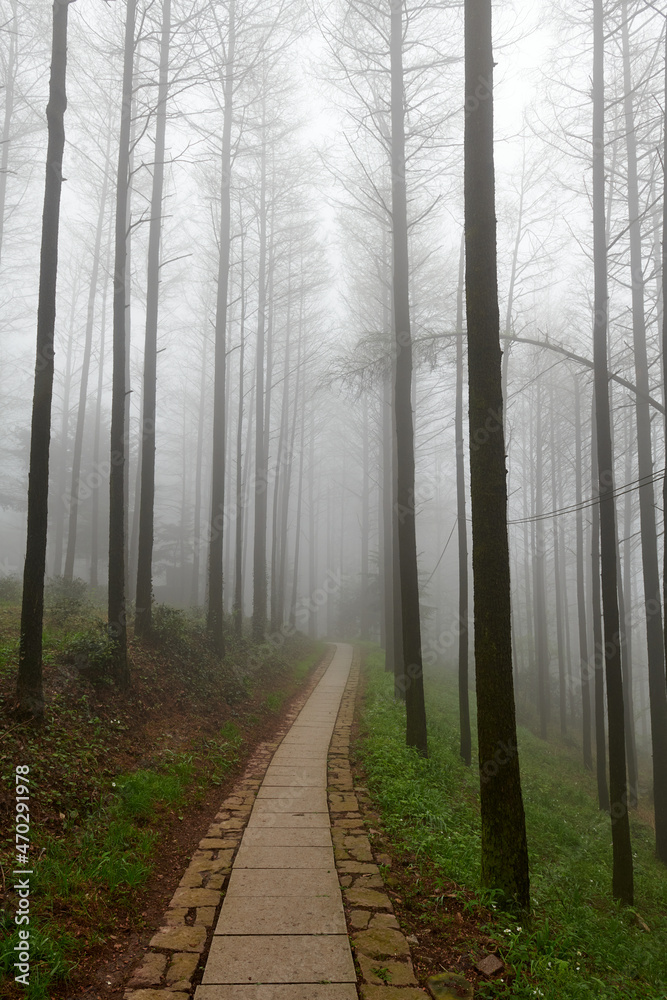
(578, 945)
(108, 857)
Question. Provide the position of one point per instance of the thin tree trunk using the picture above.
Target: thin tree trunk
(196, 553)
(74, 499)
(626, 618)
(365, 525)
(558, 570)
(504, 847)
(405, 460)
(29, 689)
(58, 516)
(598, 641)
(215, 618)
(388, 517)
(283, 461)
(95, 500)
(312, 542)
(144, 596)
(238, 540)
(297, 530)
(540, 585)
(465, 736)
(622, 881)
(581, 589)
(117, 613)
(657, 685)
(287, 483)
(261, 470)
(248, 485)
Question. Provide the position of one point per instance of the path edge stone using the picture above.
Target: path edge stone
(381, 951)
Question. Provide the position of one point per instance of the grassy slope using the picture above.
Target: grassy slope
(577, 944)
(110, 773)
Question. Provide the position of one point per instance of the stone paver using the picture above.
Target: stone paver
(253, 856)
(264, 882)
(297, 991)
(281, 915)
(285, 836)
(280, 958)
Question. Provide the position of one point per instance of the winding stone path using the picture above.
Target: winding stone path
(281, 933)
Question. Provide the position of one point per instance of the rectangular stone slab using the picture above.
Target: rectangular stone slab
(293, 776)
(292, 758)
(280, 959)
(299, 820)
(290, 915)
(284, 857)
(304, 797)
(317, 738)
(287, 837)
(263, 882)
(283, 802)
(281, 991)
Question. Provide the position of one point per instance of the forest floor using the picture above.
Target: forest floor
(577, 944)
(122, 786)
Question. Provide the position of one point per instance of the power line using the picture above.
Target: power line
(636, 484)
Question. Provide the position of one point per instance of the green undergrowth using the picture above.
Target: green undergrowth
(578, 944)
(111, 773)
(96, 871)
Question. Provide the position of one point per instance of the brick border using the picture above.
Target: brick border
(177, 951)
(381, 950)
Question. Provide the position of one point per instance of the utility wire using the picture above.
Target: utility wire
(636, 484)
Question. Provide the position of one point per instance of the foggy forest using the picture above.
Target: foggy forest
(333, 486)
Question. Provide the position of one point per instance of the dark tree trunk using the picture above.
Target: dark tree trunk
(405, 459)
(622, 886)
(504, 848)
(215, 617)
(647, 515)
(29, 690)
(312, 542)
(117, 613)
(261, 470)
(465, 736)
(581, 589)
(144, 596)
(559, 570)
(657, 685)
(281, 484)
(97, 443)
(238, 537)
(299, 503)
(387, 522)
(365, 525)
(598, 641)
(198, 541)
(287, 484)
(540, 582)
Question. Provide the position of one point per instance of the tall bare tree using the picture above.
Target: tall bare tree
(29, 688)
(504, 846)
